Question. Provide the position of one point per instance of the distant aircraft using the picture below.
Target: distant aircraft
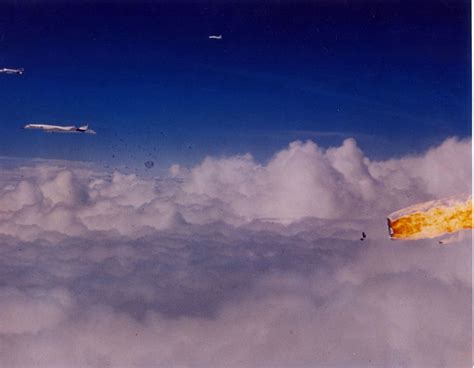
(216, 37)
(12, 71)
(60, 129)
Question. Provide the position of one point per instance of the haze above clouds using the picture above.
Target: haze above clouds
(233, 263)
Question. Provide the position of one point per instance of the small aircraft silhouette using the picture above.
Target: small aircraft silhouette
(60, 129)
(12, 71)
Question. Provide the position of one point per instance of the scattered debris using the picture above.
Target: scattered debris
(149, 164)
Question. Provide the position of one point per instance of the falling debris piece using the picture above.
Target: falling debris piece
(431, 219)
(363, 236)
(60, 129)
(215, 37)
(149, 164)
(12, 71)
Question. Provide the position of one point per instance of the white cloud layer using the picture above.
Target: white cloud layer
(233, 263)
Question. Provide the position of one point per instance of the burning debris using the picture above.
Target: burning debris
(431, 219)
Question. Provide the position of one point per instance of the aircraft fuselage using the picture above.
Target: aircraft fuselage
(60, 129)
(12, 71)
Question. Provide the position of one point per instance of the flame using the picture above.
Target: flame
(431, 219)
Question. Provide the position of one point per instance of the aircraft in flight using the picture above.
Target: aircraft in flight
(12, 71)
(216, 37)
(60, 129)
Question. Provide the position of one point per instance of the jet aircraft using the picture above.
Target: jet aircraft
(216, 37)
(60, 129)
(12, 71)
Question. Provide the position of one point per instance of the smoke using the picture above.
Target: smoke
(233, 263)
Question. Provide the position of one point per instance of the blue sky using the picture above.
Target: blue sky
(150, 82)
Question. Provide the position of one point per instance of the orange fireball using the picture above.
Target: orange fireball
(431, 219)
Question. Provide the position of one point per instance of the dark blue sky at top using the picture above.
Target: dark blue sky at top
(396, 76)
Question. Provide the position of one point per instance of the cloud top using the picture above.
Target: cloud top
(233, 263)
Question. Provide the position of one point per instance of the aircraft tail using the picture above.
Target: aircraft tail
(84, 127)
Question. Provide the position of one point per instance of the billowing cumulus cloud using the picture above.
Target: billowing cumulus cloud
(233, 263)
